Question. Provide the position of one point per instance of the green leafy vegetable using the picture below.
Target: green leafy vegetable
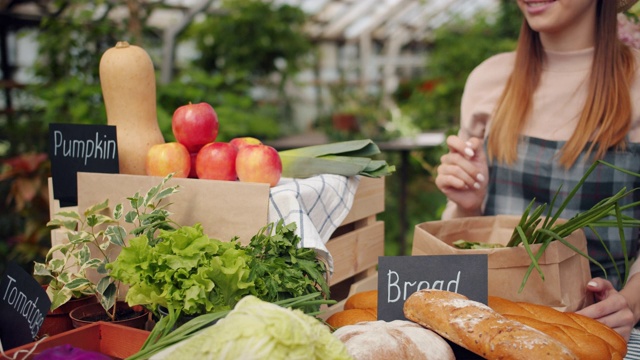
(185, 271)
(162, 336)
(261, 330)
(463, 244)
(280, 269)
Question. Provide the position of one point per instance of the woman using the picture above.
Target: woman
(537, 118)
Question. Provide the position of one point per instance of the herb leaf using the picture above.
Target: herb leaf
(280, 269)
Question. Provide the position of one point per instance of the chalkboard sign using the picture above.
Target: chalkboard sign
(23, 307)
(401, 276)
(77, 148)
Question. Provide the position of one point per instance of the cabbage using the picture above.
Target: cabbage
(256, 329)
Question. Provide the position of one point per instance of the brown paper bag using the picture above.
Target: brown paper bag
(566, 272)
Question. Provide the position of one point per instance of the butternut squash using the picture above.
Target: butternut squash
(128, 83)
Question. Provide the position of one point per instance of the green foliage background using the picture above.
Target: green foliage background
(248, 43)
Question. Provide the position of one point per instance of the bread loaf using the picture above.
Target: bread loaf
(480, 329)
(362, 306)
(350, 317)
(362, 300)
(398, 340)
(586, 337)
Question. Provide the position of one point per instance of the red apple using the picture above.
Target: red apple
(259, 163)
(217, 161)
(243, 141)
(195, 125)
(167, 158)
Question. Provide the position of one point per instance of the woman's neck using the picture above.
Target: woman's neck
(562, 43)
(565, 43)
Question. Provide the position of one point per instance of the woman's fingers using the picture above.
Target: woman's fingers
(454, 176)
(456, 165)
(462, 173)
(459, 146)
(611, 307)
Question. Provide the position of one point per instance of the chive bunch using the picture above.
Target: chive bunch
(540, 225)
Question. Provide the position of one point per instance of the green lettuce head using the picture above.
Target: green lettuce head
(256, 329)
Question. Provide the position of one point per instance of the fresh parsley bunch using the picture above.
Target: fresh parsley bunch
(280, 269)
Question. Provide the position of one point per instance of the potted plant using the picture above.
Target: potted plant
(79, 266)
(355, 114)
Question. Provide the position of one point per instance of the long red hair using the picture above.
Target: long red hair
(606, 117)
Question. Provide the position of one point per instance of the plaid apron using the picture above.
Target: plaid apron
(536, 175)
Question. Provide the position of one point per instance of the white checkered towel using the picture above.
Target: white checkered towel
(317, 205)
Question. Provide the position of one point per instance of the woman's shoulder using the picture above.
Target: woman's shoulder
(497, 61)
(481, 92)
(495, 69)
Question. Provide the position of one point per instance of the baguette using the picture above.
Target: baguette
(586, 337)
(480, 329)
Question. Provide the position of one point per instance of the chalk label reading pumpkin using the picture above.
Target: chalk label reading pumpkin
(90, 148)
(77, 148)
(401, 276)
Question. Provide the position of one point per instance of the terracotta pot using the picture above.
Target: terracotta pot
(58, 320)
(345, 122)
(135, 317)
(115, 341)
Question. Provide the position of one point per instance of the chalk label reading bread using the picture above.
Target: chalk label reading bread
(401, 276)
(399, 290)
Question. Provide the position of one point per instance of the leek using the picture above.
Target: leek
(347, 158)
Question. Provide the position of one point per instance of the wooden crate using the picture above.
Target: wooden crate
(356, 245)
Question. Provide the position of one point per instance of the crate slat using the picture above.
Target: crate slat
(369, 200)
(356, 251)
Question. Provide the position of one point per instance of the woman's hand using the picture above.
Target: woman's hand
(611, 307)
(463, 173)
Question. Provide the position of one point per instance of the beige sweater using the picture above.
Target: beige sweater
(557, 101)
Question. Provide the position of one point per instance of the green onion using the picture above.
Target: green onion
(529, 231)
